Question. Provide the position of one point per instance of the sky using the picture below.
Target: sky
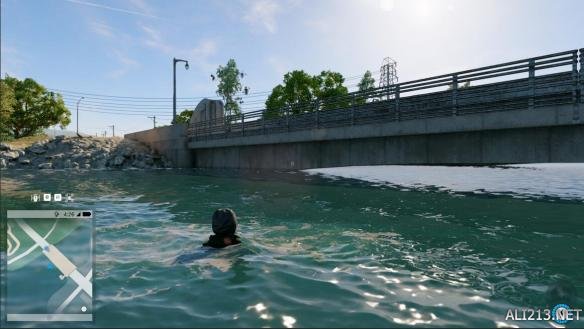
(118, 54)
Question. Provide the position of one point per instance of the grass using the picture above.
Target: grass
(27, 141)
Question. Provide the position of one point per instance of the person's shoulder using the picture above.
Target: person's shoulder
(210, 241)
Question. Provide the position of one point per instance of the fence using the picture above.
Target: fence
(552, 79)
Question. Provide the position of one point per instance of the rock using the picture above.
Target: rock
(75, 165)
(37, 149)
(46, 165)
(5, 147)
(21, 153)
(99, 164)
(9, 155)
(24, 161)
(87, 166)
(118, 160)
(2, 163)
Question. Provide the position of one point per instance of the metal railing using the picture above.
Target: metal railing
(552, 79)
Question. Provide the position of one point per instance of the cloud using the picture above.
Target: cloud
(201, 54)
(101, 29)
(262, 13)
(143, 7)
(120, 10)
(154, 39)
(198, 56)
(126, 64)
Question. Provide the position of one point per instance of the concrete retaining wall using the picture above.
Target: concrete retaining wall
(502, 146)
(170, 141)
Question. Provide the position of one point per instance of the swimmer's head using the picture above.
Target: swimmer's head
(224, 222)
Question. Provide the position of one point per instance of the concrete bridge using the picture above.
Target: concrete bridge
(524, 111)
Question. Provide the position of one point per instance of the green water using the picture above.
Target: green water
(315, 252)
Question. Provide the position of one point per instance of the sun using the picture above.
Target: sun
(386, 5)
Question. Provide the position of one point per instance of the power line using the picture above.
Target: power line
(161, 99)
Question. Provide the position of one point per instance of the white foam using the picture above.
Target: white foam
(562, 180)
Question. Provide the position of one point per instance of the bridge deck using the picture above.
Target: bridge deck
(496, 88)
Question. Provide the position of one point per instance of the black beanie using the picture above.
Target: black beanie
(224, 222)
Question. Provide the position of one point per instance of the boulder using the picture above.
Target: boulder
(5, 147)
(24, 161)
(46, 165)
(9, 155)
(118, 160)
(2, 163)
(37, 149)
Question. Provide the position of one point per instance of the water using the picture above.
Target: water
(316, 252)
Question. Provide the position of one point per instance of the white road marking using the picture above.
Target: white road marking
(31, 249)
(79, 279)
(12, 250)
(73, 294)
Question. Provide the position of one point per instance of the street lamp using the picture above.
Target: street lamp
(78, 115)
(174, 61)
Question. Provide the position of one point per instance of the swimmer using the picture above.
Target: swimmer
(224, 224)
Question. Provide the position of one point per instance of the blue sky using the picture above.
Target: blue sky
(125, 48)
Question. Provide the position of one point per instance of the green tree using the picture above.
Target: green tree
(35, 108)
(297, 91)
(229, 85)
(367, 82)
(300, 90)
(184, 116)
(7, 102)
(330, 90)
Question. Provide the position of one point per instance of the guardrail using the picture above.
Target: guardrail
(552, 79)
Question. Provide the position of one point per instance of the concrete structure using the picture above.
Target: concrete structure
(206, 110)
(522, 136)
(538, 118)
(169, 141)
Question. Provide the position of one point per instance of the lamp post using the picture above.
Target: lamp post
(78, 115)
(174, 61)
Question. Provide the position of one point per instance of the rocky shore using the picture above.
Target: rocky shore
(82, 153)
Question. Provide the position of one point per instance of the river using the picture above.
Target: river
(326, 248)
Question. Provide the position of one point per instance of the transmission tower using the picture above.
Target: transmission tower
(388, 75)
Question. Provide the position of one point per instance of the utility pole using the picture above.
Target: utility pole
(174, 61)
(113, 130)
(153, 120)
(78, 115)
(388, 75)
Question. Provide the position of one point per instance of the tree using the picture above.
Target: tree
(330, 90)
(184, 116)
(229, 85)
(34, 108)
(300, 90)
(297, 91)
(7, 102)
(367, 82)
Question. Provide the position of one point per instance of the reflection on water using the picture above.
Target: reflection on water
(315, 252)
